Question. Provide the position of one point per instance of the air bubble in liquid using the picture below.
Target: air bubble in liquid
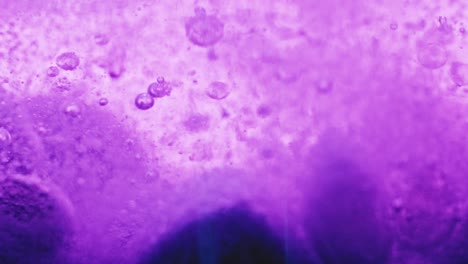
(160, 88)
(68, 61)
(218, 90)
(52, 71)
(103, 101)
(5, 137)
(73, 110)
(432, 56)
(144, 101)
(203, 30)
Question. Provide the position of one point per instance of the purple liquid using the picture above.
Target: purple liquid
(289, 132)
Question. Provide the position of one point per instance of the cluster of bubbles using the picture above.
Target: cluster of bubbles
(158, 89)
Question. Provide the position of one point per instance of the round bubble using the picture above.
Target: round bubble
(144, 101)
(218, 90)
(432, 56)
(73, 110)
(103, 101)
(160, 88)
(204, 31)
(52, 71)
(68, 61)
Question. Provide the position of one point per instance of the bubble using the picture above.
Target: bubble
(103, 101)
(160, 88)
(459, 73)
(144, 101)
(5, 137)
(218, 90)
(73, 110)
(52, 71)
(432, 56)
(462, 30)
(203, 30)
(393, 26)
(68, 61)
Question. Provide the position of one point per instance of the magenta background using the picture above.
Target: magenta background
(393, 107)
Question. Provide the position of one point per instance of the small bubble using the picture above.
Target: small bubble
(218, 90)
(160, 88)
(204, 31)
(52, 71)
(393, 26)
(103, 101)
(73, 110)
(144, 101)
(68, 61)
(432, 56)
(5, 137)
(324, 86)
(462, 30)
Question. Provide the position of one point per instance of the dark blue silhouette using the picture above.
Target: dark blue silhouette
(228, 236)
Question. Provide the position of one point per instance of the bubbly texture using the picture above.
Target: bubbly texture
(289, 132)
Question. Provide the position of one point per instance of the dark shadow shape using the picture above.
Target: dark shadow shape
(228, 236)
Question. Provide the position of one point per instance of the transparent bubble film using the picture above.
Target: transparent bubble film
(233, 132)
